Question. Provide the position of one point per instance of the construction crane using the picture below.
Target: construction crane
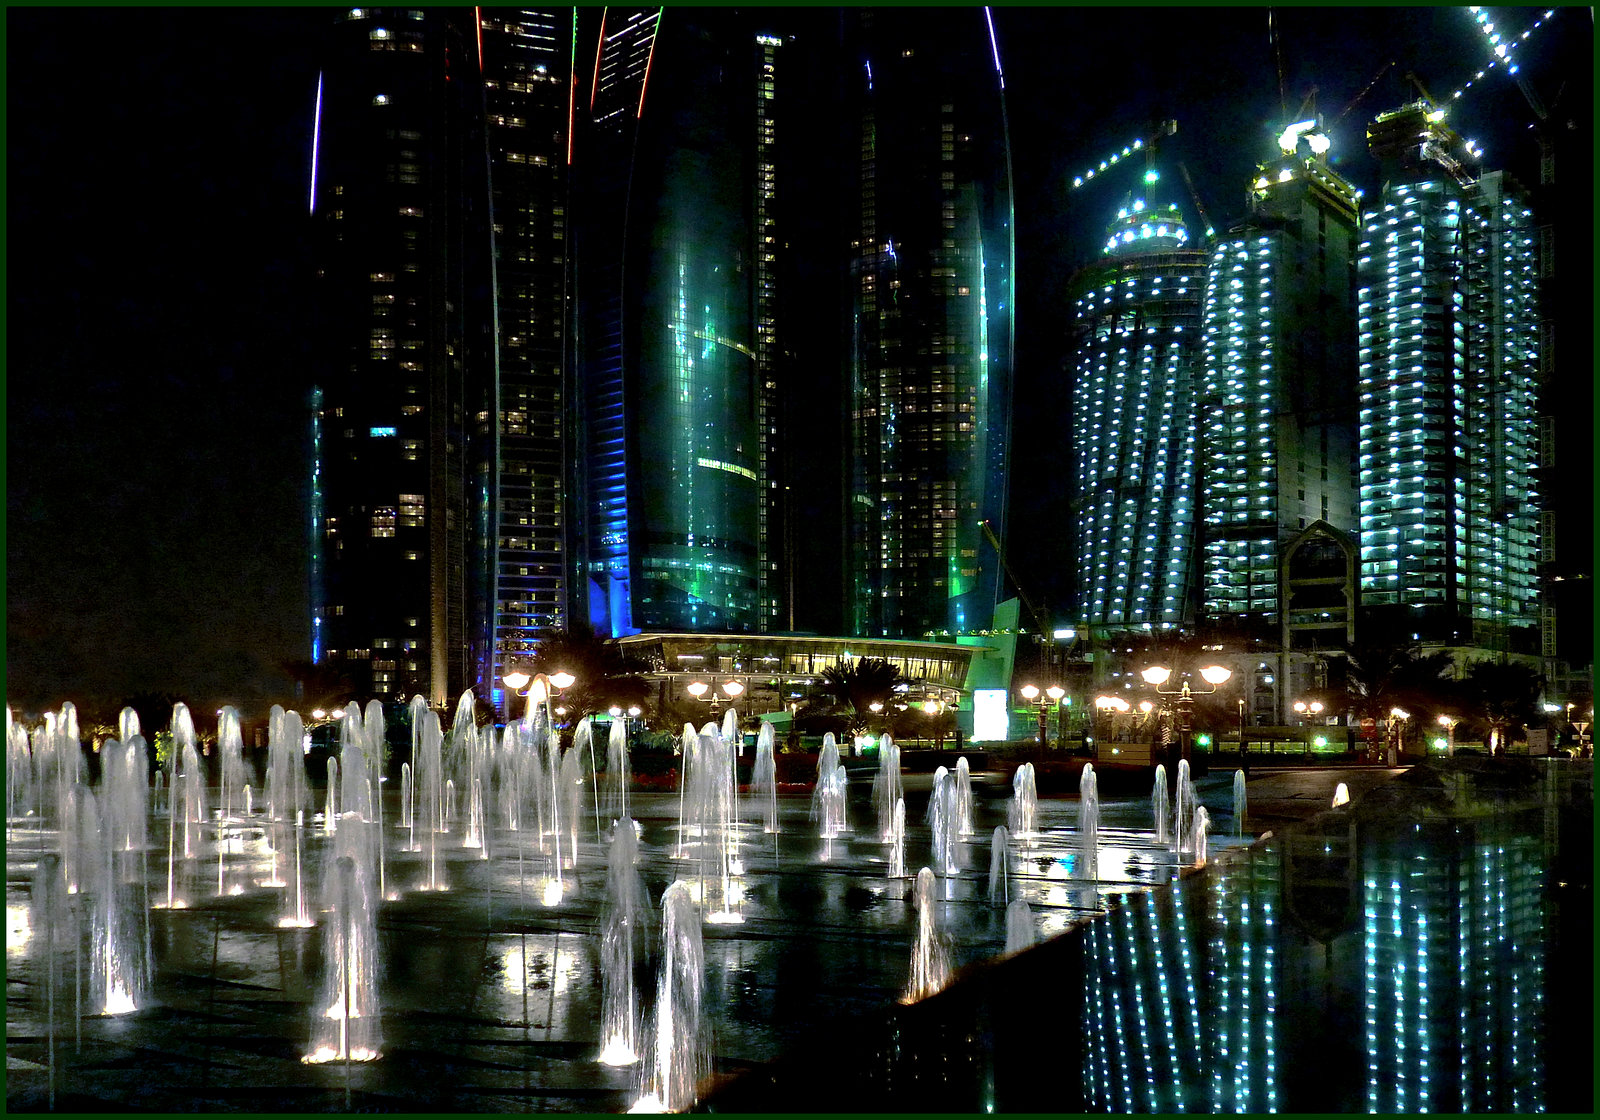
(1149, 146)
(1041, 620)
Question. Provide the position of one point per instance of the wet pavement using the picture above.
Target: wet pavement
(490, 998)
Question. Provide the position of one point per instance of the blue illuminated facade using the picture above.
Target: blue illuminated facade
(678, 324)
(931, 268)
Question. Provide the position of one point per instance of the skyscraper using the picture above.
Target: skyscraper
(526, 58)
(1278, 435)
(1135, 367)
(397, 199)
(676, 291)
(439, 197)
(1449, 329)
(930, 336)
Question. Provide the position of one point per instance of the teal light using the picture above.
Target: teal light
(1202, 740)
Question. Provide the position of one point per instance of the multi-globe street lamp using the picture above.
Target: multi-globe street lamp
(1182, 704)
(1449, 742)
(1045, 698)
(1397, 732)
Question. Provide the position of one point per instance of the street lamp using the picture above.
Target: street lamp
(1303, 709)
(1397, 731)
(1111, 707)
(1449, 724)
(1158, 675)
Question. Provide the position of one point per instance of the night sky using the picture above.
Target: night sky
(157, 423)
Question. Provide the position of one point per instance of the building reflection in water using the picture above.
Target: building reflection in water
(1388, 959)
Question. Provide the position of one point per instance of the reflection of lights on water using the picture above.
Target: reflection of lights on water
(19, 930)
(392, 896)
(337, 1011)
(271, 883)
(724, 918)
(734, 892)
(119, 1001)
(1057, 870)
(736, 867)
(175, 904)
(295, 923)
(618, 1053)
(648, 1103)
(237, 888)
(553, 890)
(535, 975)
(324, 1054)
(1056, 896)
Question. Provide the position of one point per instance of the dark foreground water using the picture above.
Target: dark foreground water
(1429, 950)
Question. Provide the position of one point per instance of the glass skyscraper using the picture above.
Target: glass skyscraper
(1278, 419)
(677, 322)
(401, 253)
(931, 273)
(1449, 364)
(1135, 367)
(440, 504)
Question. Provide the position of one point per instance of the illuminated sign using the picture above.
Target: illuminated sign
(991, 722)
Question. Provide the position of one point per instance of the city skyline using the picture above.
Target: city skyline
(97, 528)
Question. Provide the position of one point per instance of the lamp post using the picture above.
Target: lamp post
(1183, 702)
(1449, 725)
(1397, 731)
(1111, 707)
(1032, 694)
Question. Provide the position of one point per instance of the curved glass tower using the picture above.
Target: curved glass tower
(669, 291)
(930, 327)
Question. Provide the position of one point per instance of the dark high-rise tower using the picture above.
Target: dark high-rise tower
(522, 497)
(397, 199)
(439, 195)
(930, 320)
(676, 304)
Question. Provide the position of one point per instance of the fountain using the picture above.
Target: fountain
(887, 787)
(345, 1018)
(427, 739)
(1202, 824)
(1088, 824)
(618, 776)
(1185, 814)
(1161, 806)
(930, 953)
(897, 840)
(828, 799)
(1238, 803)
(678, 1053)
(621, 925)
(330, 804)
(999, 881)
(230, 749)
(764, 778)
(941, 816)
(1341, 795)
(119, 929)
(1020, 932)
(713, 820)
(1024, 806)
(963, 813)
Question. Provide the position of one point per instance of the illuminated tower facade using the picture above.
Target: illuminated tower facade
(1449, 366)
(930, 321)
(1135, 365)
(677, 318)
(521, 494)
(401, 259)
(1278, 420)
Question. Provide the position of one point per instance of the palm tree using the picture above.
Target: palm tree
(1505, 693)
(603, 675)
(857, 685)
(1380, 676)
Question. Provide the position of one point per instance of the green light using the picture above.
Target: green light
(1320, 741)
(1440, 744)
(1202, 740)
(1151, 176)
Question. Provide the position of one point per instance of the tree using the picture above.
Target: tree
(856, 685)
(1379, 676)
(603, 675)
(1504, 693)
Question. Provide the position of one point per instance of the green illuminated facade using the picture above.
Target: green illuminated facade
(678, 324)
(1449, 365)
